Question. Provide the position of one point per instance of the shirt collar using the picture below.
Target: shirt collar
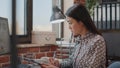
(86, 36)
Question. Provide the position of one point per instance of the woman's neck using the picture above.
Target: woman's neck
(84, 32)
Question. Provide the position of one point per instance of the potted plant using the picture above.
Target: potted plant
(90, 4)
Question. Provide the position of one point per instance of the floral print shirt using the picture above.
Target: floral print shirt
(89, 52)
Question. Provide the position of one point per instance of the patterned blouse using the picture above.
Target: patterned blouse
(89, 52)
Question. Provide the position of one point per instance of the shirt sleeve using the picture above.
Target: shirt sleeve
(67, 63)
(98, 58)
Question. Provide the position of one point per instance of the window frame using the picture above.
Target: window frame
(28, 16)
(29, 23)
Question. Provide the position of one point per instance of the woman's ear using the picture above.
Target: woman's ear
(81, 24)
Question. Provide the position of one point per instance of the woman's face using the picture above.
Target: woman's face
(75, 26)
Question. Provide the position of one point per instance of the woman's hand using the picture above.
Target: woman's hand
(48, 66)
(54, 62)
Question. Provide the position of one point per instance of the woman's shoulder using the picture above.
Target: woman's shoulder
(98, 37)
(98, 41)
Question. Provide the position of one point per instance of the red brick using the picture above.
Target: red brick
(24, 62)
(39, 55)
(34, 49)
(54, 48)
(31, 49)
(63, 52)
(4, 59)
(50, 54)
(23, 50)
(44, 49)
(5, 65)
(29, 55)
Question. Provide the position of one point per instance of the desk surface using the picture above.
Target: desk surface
(65, 44)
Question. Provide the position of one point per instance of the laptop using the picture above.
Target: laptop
(43, 37)
(4, 36)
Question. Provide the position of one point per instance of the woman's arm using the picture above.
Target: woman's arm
(67, 63)
(98, 58)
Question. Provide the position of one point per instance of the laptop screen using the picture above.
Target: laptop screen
(4, 36)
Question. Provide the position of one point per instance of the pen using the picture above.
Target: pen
(54, 54)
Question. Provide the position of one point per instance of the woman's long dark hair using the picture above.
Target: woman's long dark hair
(80, 13)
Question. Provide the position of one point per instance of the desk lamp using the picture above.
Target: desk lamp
(58, 17)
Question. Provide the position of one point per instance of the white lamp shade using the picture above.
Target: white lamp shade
(58, 21)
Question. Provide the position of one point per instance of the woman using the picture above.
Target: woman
(90, 48)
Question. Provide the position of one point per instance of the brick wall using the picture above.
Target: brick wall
(4, 60)
(30, 52)
(33, 52)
